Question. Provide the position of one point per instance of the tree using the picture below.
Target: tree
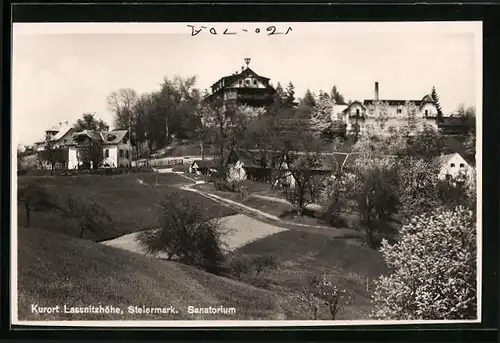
(175, 102)
(433, 269)
(202, 112)
(411, 111)
(121, 104)
(90, 152)
(373, 143)
(336, 96)
(89, 122)
(470, 144)
(468, 116)
(52, 154)
(417, 187)
(253, 269)
(321, 115)
(36, 198)
(281, 93)
(187, 233)
(147, 120)
(308, 184)
(309, 99)
(289, 96)
(435, 97)
(374, 192)
(379, 110)
(88, 214)
(427, 143)
(320, 291)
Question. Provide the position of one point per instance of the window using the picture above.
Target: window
(426, 113)
(106, 153)
(255, 82)
(121, 153)
(126, 153)
(399, 111)
(448, 177)
(462, 165)
(357, 112)
(452, 165)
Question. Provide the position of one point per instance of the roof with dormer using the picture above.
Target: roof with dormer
(426, 99)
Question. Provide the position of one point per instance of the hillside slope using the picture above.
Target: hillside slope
(55, 269)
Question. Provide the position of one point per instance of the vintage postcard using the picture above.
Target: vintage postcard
(246, 174)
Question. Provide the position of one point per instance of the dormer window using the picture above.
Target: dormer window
(399, 111)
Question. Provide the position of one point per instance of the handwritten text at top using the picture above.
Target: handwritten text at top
(270, 30)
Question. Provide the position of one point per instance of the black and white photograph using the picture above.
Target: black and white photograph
(246, 173)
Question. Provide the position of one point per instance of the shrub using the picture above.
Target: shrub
(253, 269)
(88, 214)
(227, 186)
(433, 270)
(186, 233)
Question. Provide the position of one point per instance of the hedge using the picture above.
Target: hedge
(72, 172)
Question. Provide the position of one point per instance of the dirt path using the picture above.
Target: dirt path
(284, 201)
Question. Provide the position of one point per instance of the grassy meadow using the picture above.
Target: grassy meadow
(56, 269)
(132, 204)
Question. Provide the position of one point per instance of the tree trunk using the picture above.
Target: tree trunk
(82, 230)
(28, 214)
(369, 235)
(201, 150)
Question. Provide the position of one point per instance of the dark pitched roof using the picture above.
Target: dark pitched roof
(114, 137)
(391, 102)
(92, 134)
(229, 79)
(249, 158)
(352, 104)
(426, 99)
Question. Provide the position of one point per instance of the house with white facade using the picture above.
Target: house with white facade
(453, 167)
(115, 144)
(360, 116)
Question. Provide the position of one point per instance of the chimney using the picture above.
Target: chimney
(242, 68)
(376, 91)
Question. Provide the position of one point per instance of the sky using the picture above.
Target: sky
(61, 71)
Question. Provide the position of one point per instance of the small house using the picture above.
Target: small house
(248, 165)
(202, 167)
(454, 167)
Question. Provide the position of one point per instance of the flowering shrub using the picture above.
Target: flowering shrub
(320, 291)
(433, 269)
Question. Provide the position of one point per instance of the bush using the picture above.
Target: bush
(253, 269)
(433, 270)
(88, 214)
(186, 234)
(227, 186)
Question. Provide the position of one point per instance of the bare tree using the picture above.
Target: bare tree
(321, 291)
(88, 214)
(309, 184)
(36, 198)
